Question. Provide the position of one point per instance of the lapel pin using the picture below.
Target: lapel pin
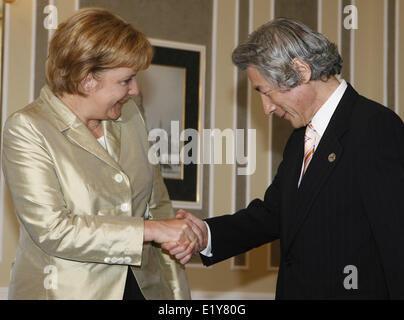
(332, 157)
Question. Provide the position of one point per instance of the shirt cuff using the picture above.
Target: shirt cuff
(208, 250)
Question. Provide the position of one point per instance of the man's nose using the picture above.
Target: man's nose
(269, 109)
(267, 104)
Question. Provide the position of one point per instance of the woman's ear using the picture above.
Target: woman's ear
(303, 69)
(89, 84)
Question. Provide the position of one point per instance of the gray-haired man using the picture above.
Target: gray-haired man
(336, 203)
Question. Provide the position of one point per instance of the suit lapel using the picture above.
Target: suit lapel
(325, 159)
(112, 133)
(291, 176)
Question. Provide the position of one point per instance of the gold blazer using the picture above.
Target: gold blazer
(81, 208)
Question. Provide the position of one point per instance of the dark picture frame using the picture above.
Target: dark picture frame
(185, 188)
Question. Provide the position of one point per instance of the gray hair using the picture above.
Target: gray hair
(273, 47)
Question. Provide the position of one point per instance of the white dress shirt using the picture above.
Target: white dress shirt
(101, 140)
(323, 116)
(320, 122)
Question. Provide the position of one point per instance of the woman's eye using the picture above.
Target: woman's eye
(127, 81)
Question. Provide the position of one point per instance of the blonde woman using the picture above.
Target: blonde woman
(91, 207)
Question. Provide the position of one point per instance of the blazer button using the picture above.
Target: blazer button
(125, 207)
(114, 260)
(118, 178)
(120, 260)
(107, 260)
(127, 260)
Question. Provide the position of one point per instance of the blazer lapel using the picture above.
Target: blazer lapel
(112, 133)
(67, 122)
(325, 159)
(80, 135)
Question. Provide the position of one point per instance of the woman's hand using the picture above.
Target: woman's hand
(179, 231)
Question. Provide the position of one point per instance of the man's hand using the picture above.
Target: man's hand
(183, 251)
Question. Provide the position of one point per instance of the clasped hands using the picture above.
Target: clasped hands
(182, 237)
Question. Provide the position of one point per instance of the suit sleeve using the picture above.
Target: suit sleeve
(383, 196)
(248, 228)
(41, 210)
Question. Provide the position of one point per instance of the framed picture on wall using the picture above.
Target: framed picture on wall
(172, 93)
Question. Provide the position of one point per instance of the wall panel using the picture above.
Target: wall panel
(369, 49)
(329, 17)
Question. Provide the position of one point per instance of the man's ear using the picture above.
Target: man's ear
(89, 83)
(304, 70)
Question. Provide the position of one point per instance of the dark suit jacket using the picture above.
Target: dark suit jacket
(346, 212)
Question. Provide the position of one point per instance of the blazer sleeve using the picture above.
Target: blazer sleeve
(41, 210)
(383, 196)
(248, 228)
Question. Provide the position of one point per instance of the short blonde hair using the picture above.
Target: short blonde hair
(89, 42)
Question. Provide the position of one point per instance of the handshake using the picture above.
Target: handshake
(183, 236)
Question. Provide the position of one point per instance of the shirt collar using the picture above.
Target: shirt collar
(65, 117)
(323, 115)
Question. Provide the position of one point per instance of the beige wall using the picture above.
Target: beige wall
(368, 65)
(369, 50)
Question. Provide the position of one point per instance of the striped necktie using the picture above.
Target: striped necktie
(311, 139)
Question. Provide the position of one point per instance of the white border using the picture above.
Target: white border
(202, 50)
